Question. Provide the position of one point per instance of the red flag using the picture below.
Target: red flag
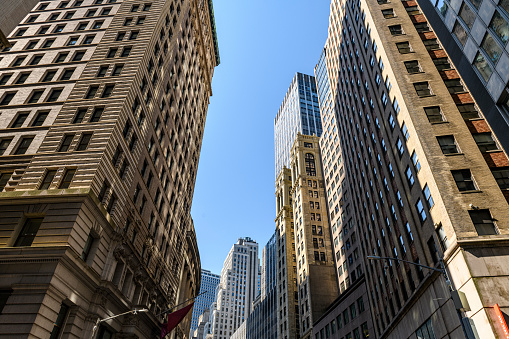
(174, 319)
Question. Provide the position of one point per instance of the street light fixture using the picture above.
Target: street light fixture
(441, 270)
(99, 321)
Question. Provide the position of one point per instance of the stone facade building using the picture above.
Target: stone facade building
(415, 174)
(306, 277)
(102, 110)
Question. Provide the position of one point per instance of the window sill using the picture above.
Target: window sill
(453, 154)
(426, 96)
(439, 122)
(493, 151)
(472, 191)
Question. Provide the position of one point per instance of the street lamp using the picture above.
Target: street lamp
(99, 321)
(442, 269)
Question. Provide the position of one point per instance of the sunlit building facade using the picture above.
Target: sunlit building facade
(209, 283)
(102, 110)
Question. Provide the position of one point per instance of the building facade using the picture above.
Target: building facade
(475, 35)
(209, 283)
(11, 15)
(416, 174)
(238, 288)
(102, 110)
(306, 277)
(299, 113)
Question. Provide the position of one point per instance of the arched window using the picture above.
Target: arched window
(310, 164)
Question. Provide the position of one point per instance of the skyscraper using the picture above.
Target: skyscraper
(415, 174)
(13, 13)
(102, 110)
(209, 283)
(474, 35)
(238, 288)
(299, 113)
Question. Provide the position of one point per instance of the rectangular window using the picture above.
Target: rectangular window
(500, 26)
(108, 89)
(84, 141)
(59, 324)
(422, 89)
(413, 67)
(483, 222)
(442, 64)
(67, 179)
(428, 196)
(49, 76)
(467, 15)
(88, 247)
(415, 161)
(388, 13)
(78, 56)
(36, 95)
(92, 91)
(442, 237)
(501, 176)
(4, 179)
(19, 120)
(96, 115)
(420, 210)
(464, 180)
(409, 176)
(454, 86)
(22, 78)
(485, 142)
(4, 143)
(6, 100)
(460, 33)
(112, 52)
(482, 65)
(80, 114)
(66, 142)
(28, 232)
(40, 118)
(54, 95)
(67, 74)
(434, 114)
(61, 57)
(396, 30)
(431, 44)
(23, 145)
(48, 179)
(447, 144)
(468, 111)
(125, 52)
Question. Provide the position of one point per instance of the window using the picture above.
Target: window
(91, 13)
(88, 39)
(67, 74)
(420, 210)
(409, 176)
(84, 141)
(22, 78)
(28, 232)
(49, 76)
(447, 144)
(7, 98)
(310, 164)
(4, 179)
(23, 145)
(102, 71)
(431, 44)
(501, 176)
(66, 142)
(404, 131)
(19, 120)
(18, 61)
(69, 15)
(396, 30)
(96, 115)
(404, 47)
(422, 27)
(31, 44)
(460, 33)
(413, 10)
(413, 67)
(53, 17)
(92, 91)
(80, 114)
(97, 25)
(40, 118)
(483, 222)
(485, 142)
(467, 15)
(140, 20)
(82, 26)
(78, 56)
(54, 95)
(125, 52)
(388, 13)
(399, 145)
(88, 247)
(468, 111)
(454, 86)
(425, 331)
(442, 237)
(32, 18)
(48, 179)
(415, 161)
(134, 35)
(108, 89)
(500, 26)
(60, 322)
(43, 30)
(4, 143)
(66, 181)
(434, 114)
(422, 89)
(4, 79)
(72, 41)
(61, 57)
(106, 11)
(120, 36)
(491, 47)
(128, 21)
(117, 70)
(483, 66)
(135, 8)
(147, 7)
(428, 196)
(464, 180)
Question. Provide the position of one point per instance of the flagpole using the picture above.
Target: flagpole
(182, 303)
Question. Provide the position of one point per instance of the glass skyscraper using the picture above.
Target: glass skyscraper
(299, 113)
(209, 282)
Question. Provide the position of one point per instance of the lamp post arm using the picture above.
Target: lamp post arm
(371, 257)
(99, 321)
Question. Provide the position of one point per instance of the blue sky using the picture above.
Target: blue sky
(262, 44)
